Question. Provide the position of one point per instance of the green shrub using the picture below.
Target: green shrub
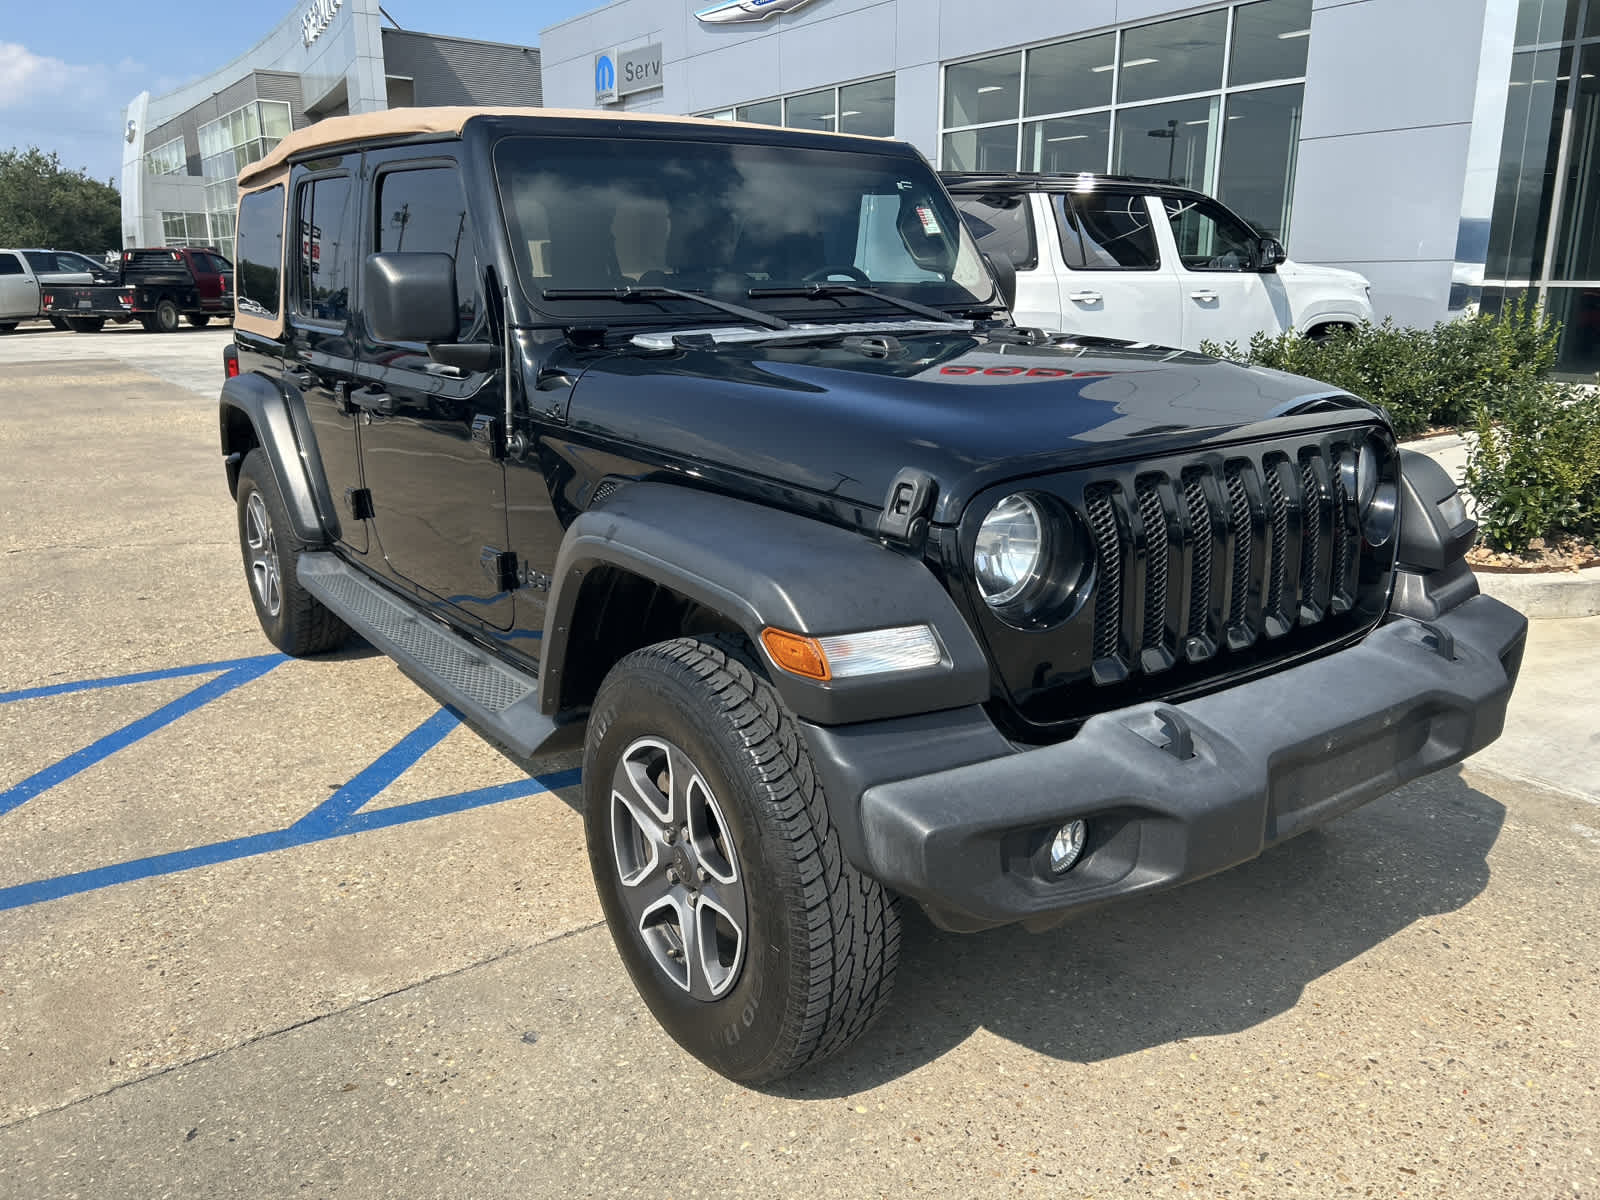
(1423, 377)
(1535, 472)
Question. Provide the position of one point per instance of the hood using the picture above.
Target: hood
(1331, 276)
(970, 409)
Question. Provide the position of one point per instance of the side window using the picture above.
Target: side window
(425, 210)
(325, 253)
(10, 264)
(260, 250)
(1106, 233)
(42, 261)
(1210, 238)
(1003, 224)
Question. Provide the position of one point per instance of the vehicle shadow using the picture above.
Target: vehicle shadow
(1216, 957)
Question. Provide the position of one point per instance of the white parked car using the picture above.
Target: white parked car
(23, 271)
(1149, 262)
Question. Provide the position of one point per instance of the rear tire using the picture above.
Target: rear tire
(687, 726)
(58, 322)
(198, 320)
(7, 326)
(165, 318)
(86, 324)
(293, 619)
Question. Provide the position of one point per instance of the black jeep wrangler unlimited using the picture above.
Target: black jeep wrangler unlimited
(711, 448)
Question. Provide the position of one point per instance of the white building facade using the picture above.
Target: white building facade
(1439, 147)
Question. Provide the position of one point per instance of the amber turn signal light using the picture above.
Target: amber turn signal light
(797, 654)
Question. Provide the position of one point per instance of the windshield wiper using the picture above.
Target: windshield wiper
(826, 291)
(656, 292)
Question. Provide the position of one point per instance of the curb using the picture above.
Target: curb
(1545, 594)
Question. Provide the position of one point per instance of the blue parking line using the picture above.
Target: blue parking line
(24, 894)
(79, 761)
(384, 770)
(85, 685)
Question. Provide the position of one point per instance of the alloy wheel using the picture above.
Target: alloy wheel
(263, 554)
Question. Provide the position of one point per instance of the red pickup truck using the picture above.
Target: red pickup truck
(158, 287)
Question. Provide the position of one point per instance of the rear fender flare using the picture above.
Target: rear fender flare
(760, 567)
(282, 430)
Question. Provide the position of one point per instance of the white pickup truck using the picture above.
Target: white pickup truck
(23, 271)
(1149, 262)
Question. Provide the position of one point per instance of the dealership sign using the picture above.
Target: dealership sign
(735, 12)
(318, 17)
(619, 73)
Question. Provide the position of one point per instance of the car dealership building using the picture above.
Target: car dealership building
(1449, 150)
(182, 152)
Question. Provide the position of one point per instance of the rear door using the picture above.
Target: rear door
(1005, 224)
(427, 449)
(319, 361)
(208, 280)
(1116, 282)
(1225, 297)
(19, 291)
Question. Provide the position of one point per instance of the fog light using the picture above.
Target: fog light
(1066, 846)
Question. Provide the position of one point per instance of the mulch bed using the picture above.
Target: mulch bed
(1568, 554)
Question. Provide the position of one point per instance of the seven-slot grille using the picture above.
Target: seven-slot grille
(1216, 556)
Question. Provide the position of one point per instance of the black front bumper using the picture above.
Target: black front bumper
(1176, 792)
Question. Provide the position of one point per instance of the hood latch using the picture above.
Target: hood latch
(905, 509)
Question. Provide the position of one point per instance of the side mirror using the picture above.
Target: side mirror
(1005, 276)
(410, 297)
(1270, 253)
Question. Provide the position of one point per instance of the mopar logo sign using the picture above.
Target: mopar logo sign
(619, 73)
(739, 11)
(605, 79)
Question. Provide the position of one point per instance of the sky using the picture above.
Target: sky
(68, 67)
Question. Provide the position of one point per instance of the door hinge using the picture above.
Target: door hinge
(360, 502)
(488, 434)
(501, 567)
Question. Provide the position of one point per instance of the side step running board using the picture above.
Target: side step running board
(499, 701)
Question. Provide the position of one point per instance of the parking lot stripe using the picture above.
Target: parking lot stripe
(81, 760)
(384, 770)
(85, 685)
(61, 886)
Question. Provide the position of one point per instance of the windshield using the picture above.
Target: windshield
(722, 219)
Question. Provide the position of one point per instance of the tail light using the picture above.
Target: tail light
(230, 361)
(48, 298)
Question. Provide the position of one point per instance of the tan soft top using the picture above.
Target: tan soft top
(401, 122)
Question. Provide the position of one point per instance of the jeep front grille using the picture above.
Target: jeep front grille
(1199, 559)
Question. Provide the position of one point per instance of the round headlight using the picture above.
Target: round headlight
(1009, 556)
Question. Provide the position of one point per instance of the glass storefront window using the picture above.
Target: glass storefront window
(1067, 143)
(768, 112)
(992, 149)
(1172, 58)
(867, 108)
(1577, 251)
(1269, 41)
(1536, 102)
(1541, 21)
(167, 159)
(1578, 311)
(976, 93)
(813, 110)
(1259, 140)
(1175, 141)
(1070, 76)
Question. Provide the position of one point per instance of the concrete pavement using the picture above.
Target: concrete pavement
(1399, 1005)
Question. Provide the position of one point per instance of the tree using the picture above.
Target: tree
(42, 204)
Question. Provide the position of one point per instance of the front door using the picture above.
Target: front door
(437, 490)
(1224, 296)
(319, 349)
(19, 294)
(1116, 283)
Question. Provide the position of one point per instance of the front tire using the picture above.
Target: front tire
(293, 619)
(755, 944)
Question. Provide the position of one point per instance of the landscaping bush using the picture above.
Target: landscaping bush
(1535, 472)
(1423, 377)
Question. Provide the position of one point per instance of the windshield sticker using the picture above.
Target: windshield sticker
(930, 223)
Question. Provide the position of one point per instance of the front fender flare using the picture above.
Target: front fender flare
(757, 567)
(283, 433)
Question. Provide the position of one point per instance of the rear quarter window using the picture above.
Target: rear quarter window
(259, 251)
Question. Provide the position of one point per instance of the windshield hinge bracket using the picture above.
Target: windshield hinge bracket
(905, 509)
